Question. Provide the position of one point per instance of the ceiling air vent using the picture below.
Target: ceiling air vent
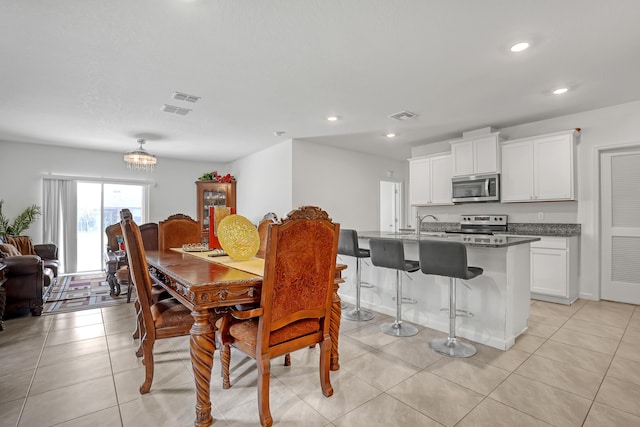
(184, 97)
(403, 115)
(175, 110)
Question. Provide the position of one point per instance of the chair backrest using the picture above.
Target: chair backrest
(113, 231)
(298, 276)
(387, 253)
(443, 258)
(177, 230)
(263, 229)
(138, 267)
(149, 232)
(348, 243)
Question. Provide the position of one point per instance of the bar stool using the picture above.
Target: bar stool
(390, 254)
(449, 259)
(348, 246)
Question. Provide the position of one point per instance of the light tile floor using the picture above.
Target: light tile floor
(577, 365)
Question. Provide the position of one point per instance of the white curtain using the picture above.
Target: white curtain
(59, 214)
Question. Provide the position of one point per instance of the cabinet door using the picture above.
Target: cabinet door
(441, 180)
(419, 176)
(517, 172)
(486, 154)
(553, 168)
(549, 272)
(462, 158)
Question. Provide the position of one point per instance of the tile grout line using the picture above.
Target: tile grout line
(113, 376)
(44, 343)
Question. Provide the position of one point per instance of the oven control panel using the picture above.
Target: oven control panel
(483, 220)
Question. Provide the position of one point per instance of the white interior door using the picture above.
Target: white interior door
(620, 225)
(390, 205)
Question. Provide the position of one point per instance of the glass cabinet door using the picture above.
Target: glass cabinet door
(212, 197)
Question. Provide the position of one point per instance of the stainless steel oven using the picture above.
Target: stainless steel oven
(475, 188)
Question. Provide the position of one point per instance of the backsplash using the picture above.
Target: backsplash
(542, 212)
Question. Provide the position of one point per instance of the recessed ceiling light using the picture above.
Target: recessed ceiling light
(390, 135)
(333, 118)
(278, 132)
(519, 47)
(560, 91)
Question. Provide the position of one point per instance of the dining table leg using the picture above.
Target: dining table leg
(202, 343)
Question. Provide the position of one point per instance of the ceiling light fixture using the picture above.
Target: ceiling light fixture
(519, 47)
(278, 132)
(333, 118)
(140, 159)
(390, 135)
(560, 91)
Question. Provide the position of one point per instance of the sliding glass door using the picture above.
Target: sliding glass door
(99, 205)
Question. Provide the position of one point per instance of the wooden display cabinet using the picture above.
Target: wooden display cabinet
(213, 193)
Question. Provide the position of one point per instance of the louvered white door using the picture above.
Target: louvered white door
(620, 226)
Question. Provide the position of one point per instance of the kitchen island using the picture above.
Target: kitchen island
(499, 299)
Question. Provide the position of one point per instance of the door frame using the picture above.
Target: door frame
(401, 218)
(597, 178)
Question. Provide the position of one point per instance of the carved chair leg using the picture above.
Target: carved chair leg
(264, 375)
(136, 333)
(225, 359)
(287, 359)
(147, 347)
(143, 338)
(325, 362)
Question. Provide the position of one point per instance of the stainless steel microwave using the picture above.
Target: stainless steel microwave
(475, 188)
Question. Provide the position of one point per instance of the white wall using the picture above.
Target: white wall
(610, 126)
(264, 182)
(344, 183)
(22, 167)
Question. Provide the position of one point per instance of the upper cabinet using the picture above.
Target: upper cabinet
(476, 155)
(539, 168)
(430, 180)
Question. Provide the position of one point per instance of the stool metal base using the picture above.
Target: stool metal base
(452, 347)
(398, 329)
(358, 314)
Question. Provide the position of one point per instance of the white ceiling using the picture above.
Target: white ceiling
(95, 74)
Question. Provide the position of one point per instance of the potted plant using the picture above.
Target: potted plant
(20, 223)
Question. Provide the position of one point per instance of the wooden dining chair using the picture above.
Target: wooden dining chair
(149, 233)
(263, 227)
(177, 230)
(163, 319)
(295, 301)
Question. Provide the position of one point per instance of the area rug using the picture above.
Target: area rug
(81, 292)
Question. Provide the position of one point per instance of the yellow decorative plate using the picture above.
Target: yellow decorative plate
(238, 237)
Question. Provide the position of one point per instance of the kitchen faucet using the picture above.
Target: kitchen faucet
(419, 220)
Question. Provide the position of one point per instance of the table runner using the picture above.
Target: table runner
(253, 265)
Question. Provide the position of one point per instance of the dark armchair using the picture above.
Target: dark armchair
(30, 273)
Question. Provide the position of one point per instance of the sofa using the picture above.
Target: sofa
(29, 274)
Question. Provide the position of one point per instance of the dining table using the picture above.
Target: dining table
(209, 286)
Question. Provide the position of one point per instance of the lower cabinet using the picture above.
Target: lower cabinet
(554, 269)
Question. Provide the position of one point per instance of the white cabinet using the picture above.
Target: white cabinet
(539, 168)
(430, 180)
(554, 262)
(476, 155)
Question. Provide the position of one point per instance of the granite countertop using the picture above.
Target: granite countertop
(544, 229)
(469, 240)
(514, 228)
